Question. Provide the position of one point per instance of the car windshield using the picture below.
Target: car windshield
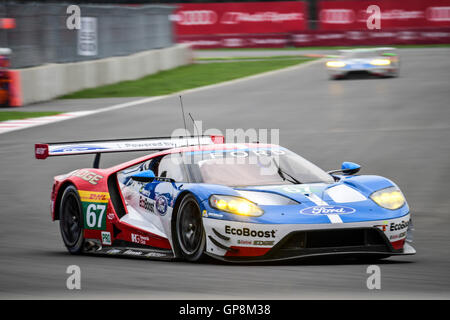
(252, 167)
(360, 54)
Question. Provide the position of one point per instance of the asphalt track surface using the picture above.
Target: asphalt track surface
(398, 128)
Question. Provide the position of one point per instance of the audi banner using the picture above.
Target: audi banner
(394, 14)
(341, 22)
(370, 37)
(322, 38)
(239, 18)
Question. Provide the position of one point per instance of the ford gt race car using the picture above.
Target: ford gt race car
(198, 196)
(382, 62)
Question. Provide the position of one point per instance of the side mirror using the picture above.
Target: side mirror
(347, 168)
(350, 168)
(144, 176)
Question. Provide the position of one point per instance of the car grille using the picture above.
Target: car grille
(333, 241)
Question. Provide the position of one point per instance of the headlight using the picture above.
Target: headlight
(389, 198)
(335, 64)
(235, 205)
(380, 62)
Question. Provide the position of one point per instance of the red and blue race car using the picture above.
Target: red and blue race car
(198, 196)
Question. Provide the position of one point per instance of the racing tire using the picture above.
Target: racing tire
(337, 77)
(190, 236)
(71, 220)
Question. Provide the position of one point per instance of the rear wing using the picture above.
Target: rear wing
(45, 150)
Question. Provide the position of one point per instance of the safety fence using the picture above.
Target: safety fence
(41, 34)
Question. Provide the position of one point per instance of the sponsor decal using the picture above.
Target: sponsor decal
(195, 17)
(106, 238)
(244, 242)
(111, 216)
(238, 17)
(263, 243)
(113, 251)
(243, 153)
(382, 227)
(94, 206)
(88, 176)
(137, 238)
(40, 151)
(132, 252)
(213, 215)
(398, 236)
(327, 210)
(77, 149)
(144, 192)
(246, 232)
(91, 196)
(161, 205)
(398, 226)
(155, 255)
(205, 214)
(145, 204)
(94, 216)
(306, 190)
(438, 14)
(337, 16)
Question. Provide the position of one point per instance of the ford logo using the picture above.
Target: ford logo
(327, 210)
(161, 205)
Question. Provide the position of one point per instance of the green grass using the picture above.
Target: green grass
(289, 57)
(185, 77)
(16, 115)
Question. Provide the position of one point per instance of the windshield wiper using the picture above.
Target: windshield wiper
(283, 174)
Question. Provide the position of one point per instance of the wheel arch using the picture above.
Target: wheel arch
(58, 198)
(173, 220)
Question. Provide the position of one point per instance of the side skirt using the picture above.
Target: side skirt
(93, 246)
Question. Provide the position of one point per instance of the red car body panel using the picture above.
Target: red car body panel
(93, 183)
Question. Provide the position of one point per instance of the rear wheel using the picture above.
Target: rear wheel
(190, 234)
(71, 220)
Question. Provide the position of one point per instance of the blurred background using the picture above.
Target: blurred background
(36, 31)
(119, 76)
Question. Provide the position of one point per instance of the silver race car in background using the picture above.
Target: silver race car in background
(383, 62)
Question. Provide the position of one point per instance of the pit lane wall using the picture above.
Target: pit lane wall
(53, 80)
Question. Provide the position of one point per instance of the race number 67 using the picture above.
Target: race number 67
(94, 215)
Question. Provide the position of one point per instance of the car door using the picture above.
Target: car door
(150, 204)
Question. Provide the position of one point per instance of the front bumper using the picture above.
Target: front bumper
(379, 70)
(236, 241)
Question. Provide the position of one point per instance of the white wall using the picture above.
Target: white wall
(49, 81)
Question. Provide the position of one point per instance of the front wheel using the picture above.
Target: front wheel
(71, 220)
(190, 234)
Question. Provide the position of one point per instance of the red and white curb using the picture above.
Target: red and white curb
(12, 125)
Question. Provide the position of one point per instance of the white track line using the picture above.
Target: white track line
(14, 125)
